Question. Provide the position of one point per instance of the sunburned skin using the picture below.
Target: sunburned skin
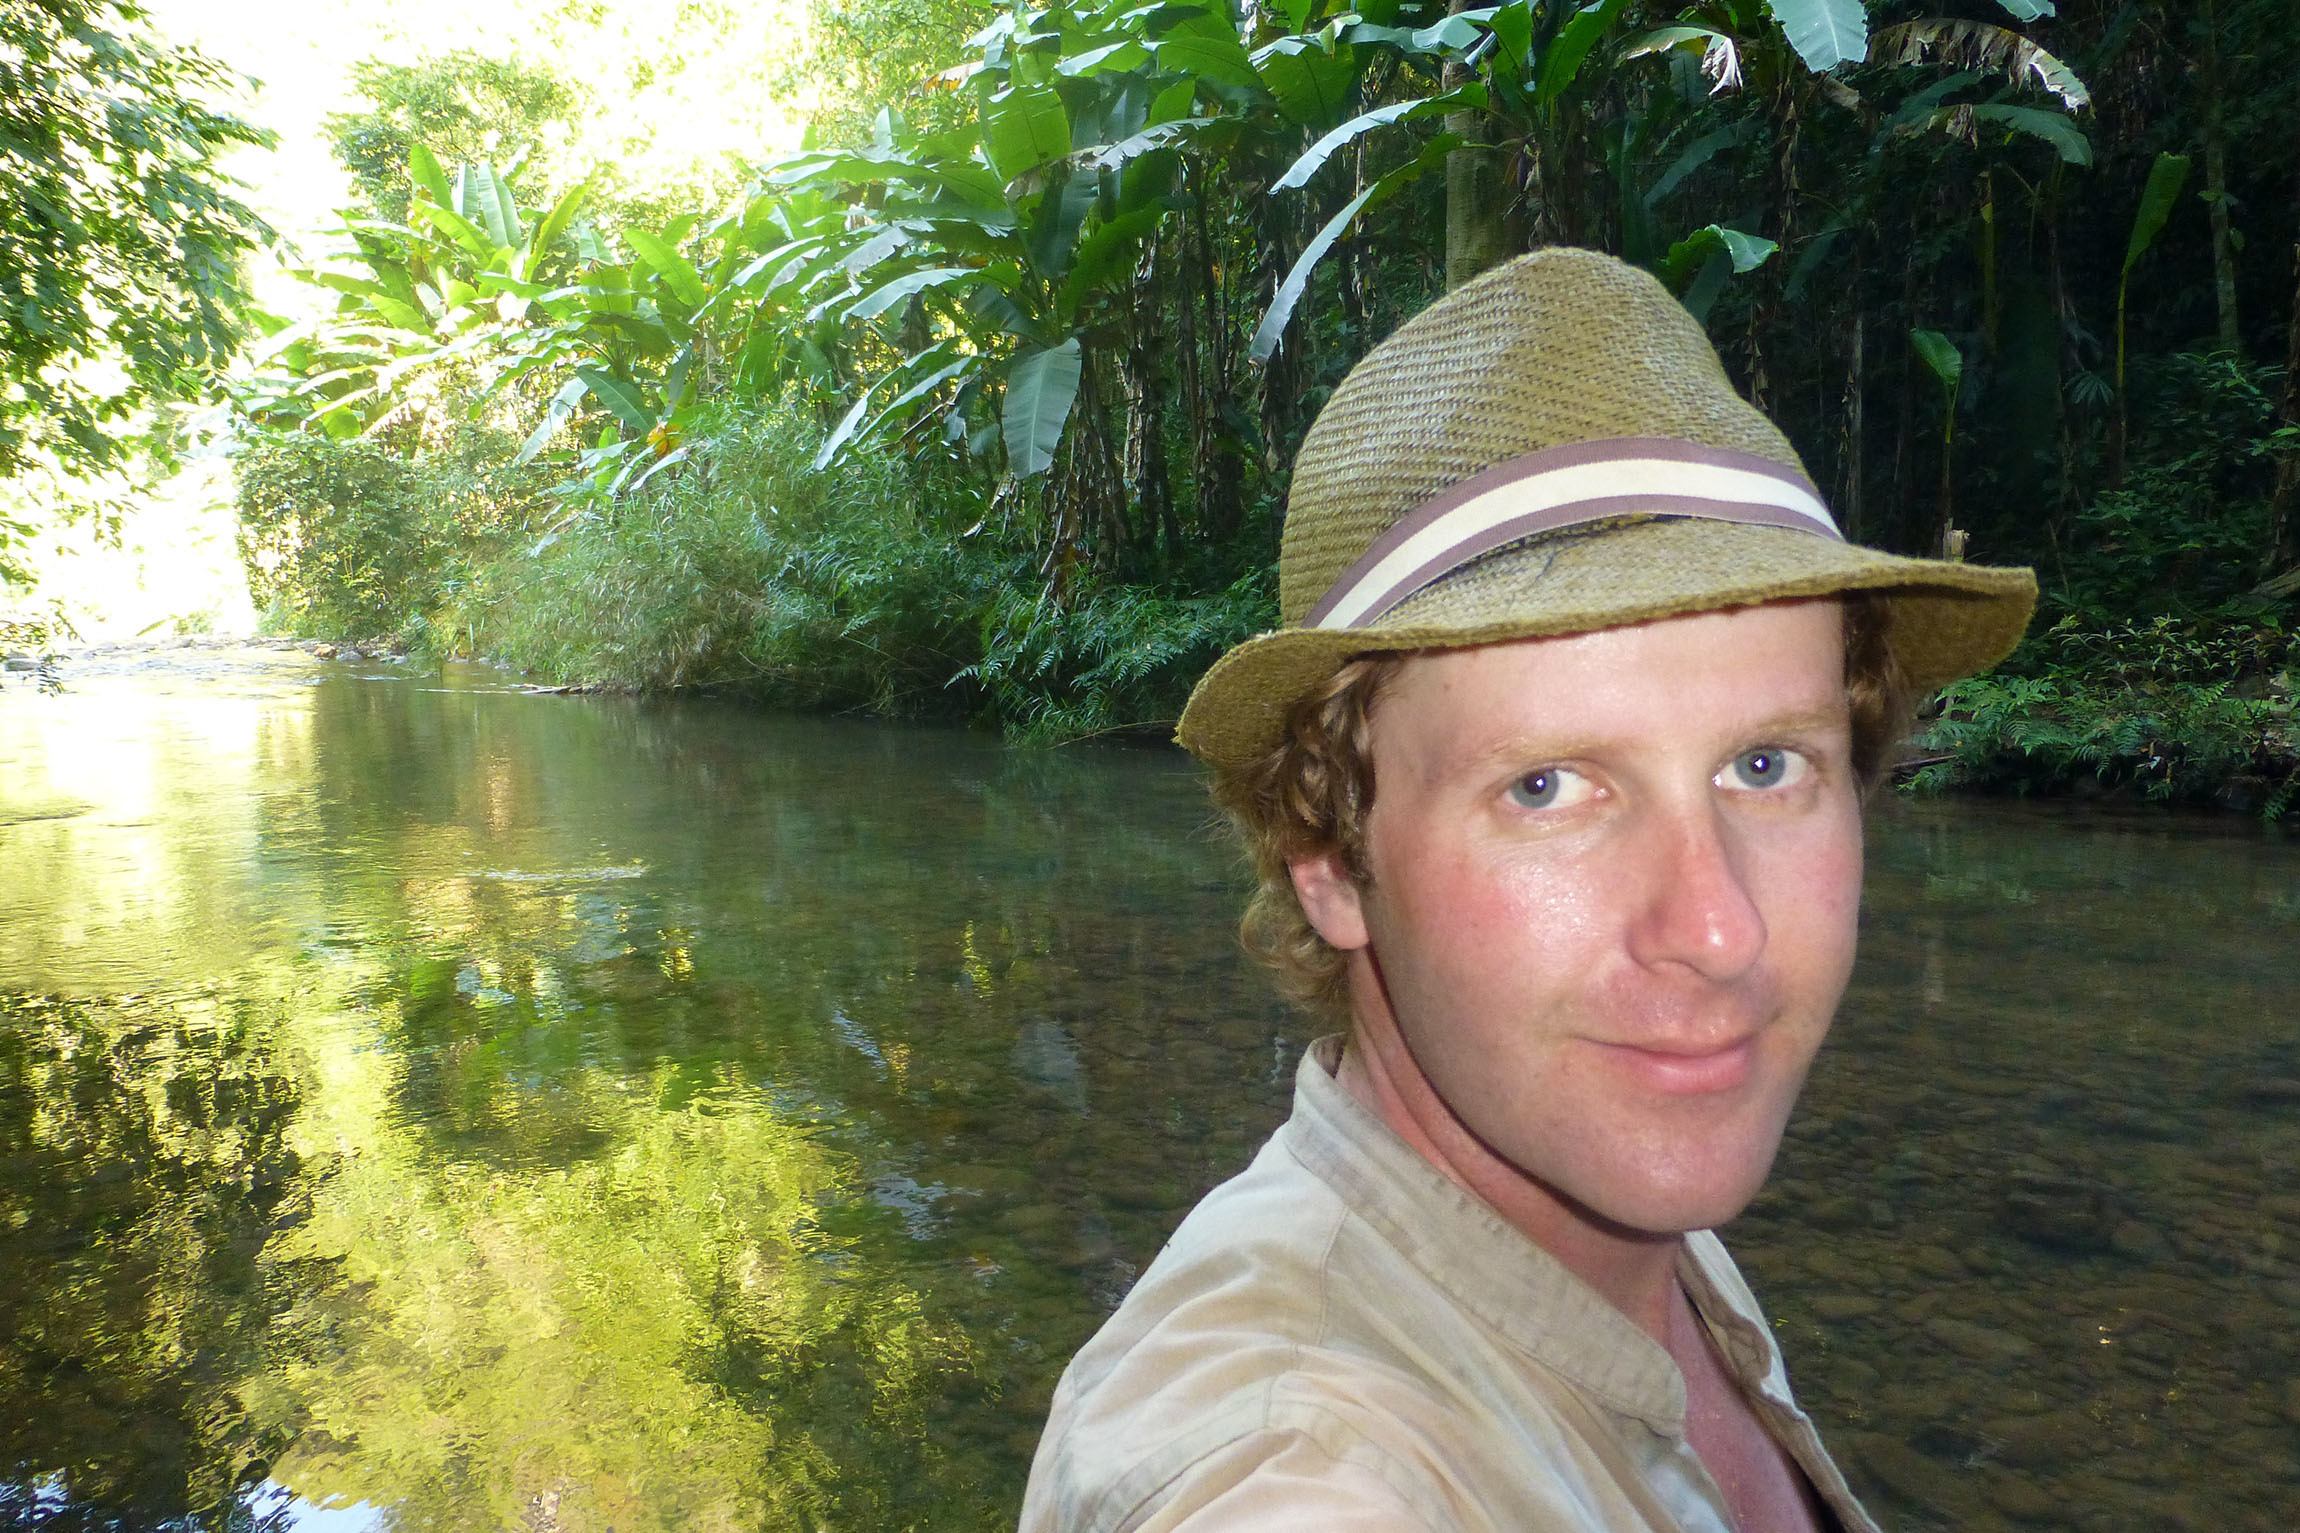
(1614, 896)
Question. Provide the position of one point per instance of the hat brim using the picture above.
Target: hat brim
(1949, 620)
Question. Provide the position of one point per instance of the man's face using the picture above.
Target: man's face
(1615, 886)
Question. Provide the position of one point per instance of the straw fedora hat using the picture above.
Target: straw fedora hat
(1551, 449)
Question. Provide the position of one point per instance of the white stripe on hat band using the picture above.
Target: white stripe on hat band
(1525, 497)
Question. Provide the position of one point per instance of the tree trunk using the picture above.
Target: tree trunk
(2284, 519)
(1214, 457)
(1352, 263)
(1856, 424)
(1089, 502)
(2216, 185)
(1144, 402)
(1476, 207)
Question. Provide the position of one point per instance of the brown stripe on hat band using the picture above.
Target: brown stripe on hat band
(1564, 487)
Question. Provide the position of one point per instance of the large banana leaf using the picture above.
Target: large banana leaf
(424, 170)
(1455, 34)
(1471, 95)
(663, 259)
(1024, 129)
(462, 231)
(2165, 180)
(547, 232)
(484, 197)
(1273, 326)
(906, 286)
(1746, 251)
(1108, 249)
(1311, 83)
(1561, 61)
(1967, 122)
(1697, 154)
(1040, 389)
(1940, 354)
(1209, 55)
(620, 397)
(555, 415)
(1983, 46)
(1825, 33)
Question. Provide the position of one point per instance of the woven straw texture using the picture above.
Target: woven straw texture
(1556, 347)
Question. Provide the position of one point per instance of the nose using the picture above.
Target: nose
(1699, 910)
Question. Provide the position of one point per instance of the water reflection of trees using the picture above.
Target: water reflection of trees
(149, 1174)
(725, 1121)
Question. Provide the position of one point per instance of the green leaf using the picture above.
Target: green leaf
(902, 288)
(1040, 389)
(2037, 122)
(499, 215)
(1310, 84)
(554, 224)
(1025, 129)
(1825, 33)
(664, 260)
(1685, 260)
(844, 432)
(2028, 10)
(1209, 56)
(1127, 53)
(1455, 34)
(1561, 61)
(1289, 294)
(619, 396)
(1299, 173)
(555, 415)
(2165, 179)
(1172, 104)
(1061, 214)
(1940, 354)
(423, 169)
(1697, 154)
(1663, 39)
(1103, 251)
(457, 228)
(1512, 27)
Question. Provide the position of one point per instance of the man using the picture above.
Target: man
(1553, 784)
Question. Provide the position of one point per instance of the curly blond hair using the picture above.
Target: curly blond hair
(1311, 793)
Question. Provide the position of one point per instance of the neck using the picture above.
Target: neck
(1634, 1271)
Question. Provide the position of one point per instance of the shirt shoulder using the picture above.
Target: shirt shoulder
(1213, 1393)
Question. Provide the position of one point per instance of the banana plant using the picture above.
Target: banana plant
(1016, 240)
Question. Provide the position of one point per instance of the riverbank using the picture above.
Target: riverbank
(2163, 742)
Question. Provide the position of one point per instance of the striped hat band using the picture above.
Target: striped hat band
(1563, 487)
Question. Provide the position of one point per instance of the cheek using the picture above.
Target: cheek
(1815, 881)
(1495, 915)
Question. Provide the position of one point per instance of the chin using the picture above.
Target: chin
(1702, 1198)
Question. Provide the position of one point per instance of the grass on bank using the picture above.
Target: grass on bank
(880, 586)
(887, 587)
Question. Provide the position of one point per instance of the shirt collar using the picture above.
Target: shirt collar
(1506, 1281)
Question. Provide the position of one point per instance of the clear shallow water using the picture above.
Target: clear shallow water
(429, 1106)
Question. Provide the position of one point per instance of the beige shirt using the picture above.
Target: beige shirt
(1342, 1340)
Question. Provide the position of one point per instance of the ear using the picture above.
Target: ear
(1331, 899)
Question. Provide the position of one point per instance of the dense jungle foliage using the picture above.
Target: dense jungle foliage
(982, 401)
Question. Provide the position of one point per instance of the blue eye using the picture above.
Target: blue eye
(1766, 767)
(1536, 790)
(1551, 787)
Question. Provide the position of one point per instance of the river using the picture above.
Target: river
(427, 1105)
